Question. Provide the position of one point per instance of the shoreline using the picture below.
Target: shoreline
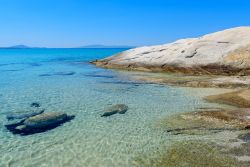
(209, 69)
(217, 60)
(206, 122)
(186, 79)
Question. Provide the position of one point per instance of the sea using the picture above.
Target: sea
(63, 80)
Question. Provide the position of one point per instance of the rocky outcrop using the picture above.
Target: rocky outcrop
(115, 109)
(39, 123)
(202, 81)
(225, 52)
(240, 98)
(35, 120)
(238, 117)
(207, 121)
(190, 153)
(45, 119)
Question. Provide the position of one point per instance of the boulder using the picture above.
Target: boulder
(118, 108)
(45, 119)
(39, 123)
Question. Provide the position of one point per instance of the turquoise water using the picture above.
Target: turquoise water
(27, 76)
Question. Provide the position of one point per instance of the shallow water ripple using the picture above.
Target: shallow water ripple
(89, 139)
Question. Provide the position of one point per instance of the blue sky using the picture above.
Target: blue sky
(72, 23)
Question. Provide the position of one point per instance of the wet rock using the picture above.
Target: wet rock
(45, 119)
(115, 109)
(109, 113)
(35, 104)
(237, 117)
(206, 122)
(40, 123)
(24, 115)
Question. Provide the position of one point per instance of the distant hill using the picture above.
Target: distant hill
(16, 47)
(19, 47)
(87, 46)
(107, 46)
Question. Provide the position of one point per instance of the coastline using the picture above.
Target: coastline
(229, 70)
(211, 69)
(210, 122)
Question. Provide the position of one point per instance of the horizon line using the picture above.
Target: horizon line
(80, 47)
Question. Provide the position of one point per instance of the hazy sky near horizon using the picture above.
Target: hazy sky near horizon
(73, 23)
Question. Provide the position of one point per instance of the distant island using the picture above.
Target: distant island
(16, 47)
(20, 47)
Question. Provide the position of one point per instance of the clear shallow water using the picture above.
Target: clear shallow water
(88, 140)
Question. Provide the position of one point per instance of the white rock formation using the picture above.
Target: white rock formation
(226, 51)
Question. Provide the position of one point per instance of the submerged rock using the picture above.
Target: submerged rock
(64, 73)
(24, 115)
(35, 64)
(45, 75)
(189, 153)
(118, 108)
(206, 122)
(237, 118)
(239, 98)
(57, 73)
(99, 76)
(39, 123)
(35, 104)
(45, 119)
